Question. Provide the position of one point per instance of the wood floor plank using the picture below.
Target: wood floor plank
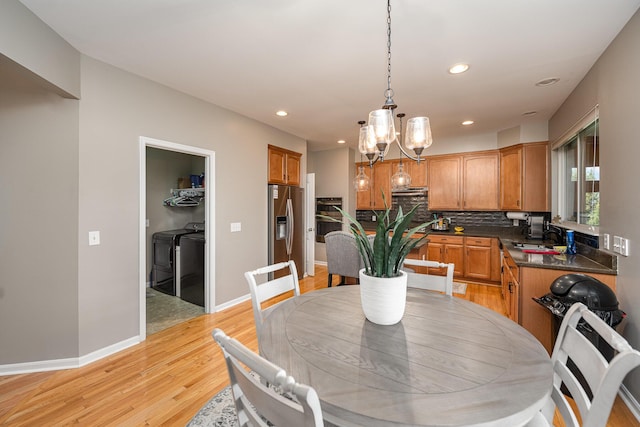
(168, 378)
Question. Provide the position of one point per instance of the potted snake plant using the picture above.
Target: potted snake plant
(383, 285)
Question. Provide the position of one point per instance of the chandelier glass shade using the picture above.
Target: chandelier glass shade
(380, 130)
(361, 181)
(400, 180)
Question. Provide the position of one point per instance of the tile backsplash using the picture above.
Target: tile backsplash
(423, 214)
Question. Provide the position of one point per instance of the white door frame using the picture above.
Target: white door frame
(310, 234)
(209, 214)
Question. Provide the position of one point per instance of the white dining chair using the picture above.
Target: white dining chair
(603, 378)
(264, 288)
(256, 403)
(430, 282)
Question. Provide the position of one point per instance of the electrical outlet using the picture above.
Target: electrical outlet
(373, 218)
(605, 241)
(94, 238)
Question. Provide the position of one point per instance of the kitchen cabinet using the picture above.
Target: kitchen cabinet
(511, 287)
(444, 176)
(535, 282)
(422, 254)
(475, 258)
(480, 181)
(284, 166)
(417, 171)
(524, 177)
(446, 249)
(477, 251)
(464, 182)
(379, 182)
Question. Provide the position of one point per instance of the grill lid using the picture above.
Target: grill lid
(588, 290)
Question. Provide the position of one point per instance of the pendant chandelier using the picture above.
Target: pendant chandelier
(379, 133)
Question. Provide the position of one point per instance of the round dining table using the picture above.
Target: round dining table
(448, 362)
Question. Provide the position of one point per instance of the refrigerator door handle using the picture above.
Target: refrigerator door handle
(289, 240)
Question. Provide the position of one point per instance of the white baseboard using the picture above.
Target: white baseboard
(69, 363)
(630, 401)
(320, 262)
(233, 302)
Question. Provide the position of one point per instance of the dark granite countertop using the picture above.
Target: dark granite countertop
(588, 260)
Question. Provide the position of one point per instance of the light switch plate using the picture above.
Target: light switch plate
(624, 246)
(616, 244)
(606, 241)
(236, 226)
(94, 238)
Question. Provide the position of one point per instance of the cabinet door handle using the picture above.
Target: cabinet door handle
(510, 287)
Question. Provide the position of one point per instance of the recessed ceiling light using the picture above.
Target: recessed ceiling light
(341, 141)
(458, 68)
(529, 113)
(548, 82)
(468, 122)
(281, 113)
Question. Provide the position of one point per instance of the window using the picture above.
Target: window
(579, 177)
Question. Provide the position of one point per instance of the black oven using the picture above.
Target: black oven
(326, 206)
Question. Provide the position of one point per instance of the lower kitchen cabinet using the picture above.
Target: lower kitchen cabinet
(446, 249)
(511, 287)
(477, 258)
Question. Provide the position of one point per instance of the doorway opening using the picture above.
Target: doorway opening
(169, 215)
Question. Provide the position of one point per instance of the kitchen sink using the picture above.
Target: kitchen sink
(530, 246)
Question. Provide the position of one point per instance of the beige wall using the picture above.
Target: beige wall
(613, 83)
(51, 61)
(38, 220)
(116, 109)
(59, 297)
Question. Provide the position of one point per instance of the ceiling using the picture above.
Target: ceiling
(325, 62)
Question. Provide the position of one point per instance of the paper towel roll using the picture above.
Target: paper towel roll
(517, 215)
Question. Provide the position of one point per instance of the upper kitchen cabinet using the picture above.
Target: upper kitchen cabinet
(417, 171)
(284, 166)
(524, 177)
(379, 182)
(480, 181)
(444, 178)
(464, 181)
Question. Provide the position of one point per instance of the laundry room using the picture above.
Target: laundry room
(175, 221)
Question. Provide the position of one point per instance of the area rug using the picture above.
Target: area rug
(459, 288)
(219, 411)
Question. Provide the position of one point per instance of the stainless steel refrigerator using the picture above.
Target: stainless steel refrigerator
(286, 227)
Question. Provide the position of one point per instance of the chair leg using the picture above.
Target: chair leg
(343, 280)
(329, 279)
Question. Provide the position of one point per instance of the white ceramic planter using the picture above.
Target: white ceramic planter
(383, 299)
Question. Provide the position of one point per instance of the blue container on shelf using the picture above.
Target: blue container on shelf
(571, 243)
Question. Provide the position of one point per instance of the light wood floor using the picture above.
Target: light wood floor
(166, 379)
